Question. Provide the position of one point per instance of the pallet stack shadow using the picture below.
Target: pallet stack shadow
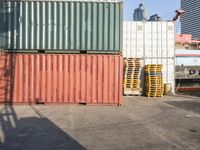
(61, 52)
(154, 86)
(132, 74)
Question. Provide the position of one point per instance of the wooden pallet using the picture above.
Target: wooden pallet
(156, 92)
(154, 87)
(131, 86)
(132, 73)
(132, 92)
(152, 71)
(153, 81)
(154, 95)
(132, 81)
(153, 66)
(154, 77)
(154, 84)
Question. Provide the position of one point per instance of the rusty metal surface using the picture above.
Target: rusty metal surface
(61, 78)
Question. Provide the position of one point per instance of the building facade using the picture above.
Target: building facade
(191, 18)
(155, 17)
(140, 13)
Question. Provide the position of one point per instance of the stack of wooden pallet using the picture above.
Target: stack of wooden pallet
(154, 86)
(132, 73)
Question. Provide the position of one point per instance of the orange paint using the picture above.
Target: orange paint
(61, 78)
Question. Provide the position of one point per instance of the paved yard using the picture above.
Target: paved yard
(140, 124)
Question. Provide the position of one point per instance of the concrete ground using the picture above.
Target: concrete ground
(169, 123)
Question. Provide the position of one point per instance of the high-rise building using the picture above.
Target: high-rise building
(191, 18)
(140, 13)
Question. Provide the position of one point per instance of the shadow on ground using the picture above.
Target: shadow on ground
(32, 133)
(187, 105)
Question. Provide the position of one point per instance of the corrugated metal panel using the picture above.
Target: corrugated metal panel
(168, 69)
(69, 25)
(61, 78)
(148, 39)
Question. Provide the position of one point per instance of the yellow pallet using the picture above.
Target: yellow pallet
(154, 87)
(132, 80)
(155, 91)
(152, 71)
(159, 68)
(150, 95)
(131, 86)
(153, 79)
(153, 82)
(154, 65)
(126, 85)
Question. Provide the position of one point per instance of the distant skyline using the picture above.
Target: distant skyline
(164, 8)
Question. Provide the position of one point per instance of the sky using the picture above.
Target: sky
(164, 8)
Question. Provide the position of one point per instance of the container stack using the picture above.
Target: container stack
(54, 55)
(154, 86)
(132, 74)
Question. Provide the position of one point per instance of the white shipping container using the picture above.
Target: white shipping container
(148, 39)
(168, 69)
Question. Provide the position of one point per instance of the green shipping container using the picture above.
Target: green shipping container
(65, 26)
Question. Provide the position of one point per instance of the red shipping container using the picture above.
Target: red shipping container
(61, 78)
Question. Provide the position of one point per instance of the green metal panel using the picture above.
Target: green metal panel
(61, 25)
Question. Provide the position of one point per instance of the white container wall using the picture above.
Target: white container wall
(154, 42)
(133, 39)
(148, 39)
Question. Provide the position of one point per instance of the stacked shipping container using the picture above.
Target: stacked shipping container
(154, 43)
(61, 26)
(57, 28)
